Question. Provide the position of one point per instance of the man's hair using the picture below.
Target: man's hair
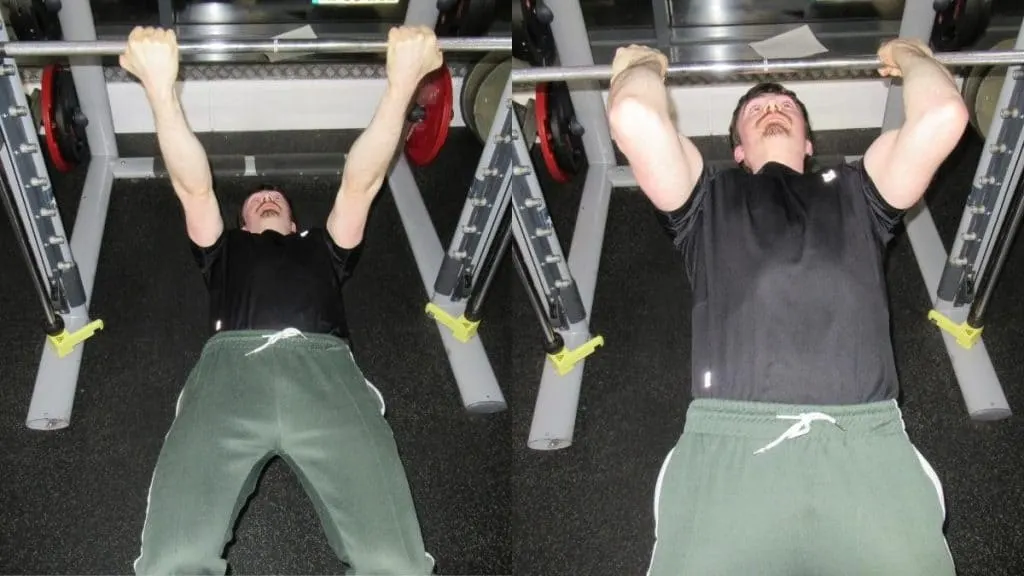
(265, 188)
(764, 88)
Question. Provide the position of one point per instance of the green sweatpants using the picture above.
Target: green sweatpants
(253, 396)
(768, 489)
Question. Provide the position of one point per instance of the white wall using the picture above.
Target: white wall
(299, 104)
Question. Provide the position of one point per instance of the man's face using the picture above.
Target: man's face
(770, 125)
(267, 210)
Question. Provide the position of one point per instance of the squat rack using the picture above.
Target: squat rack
(67, 268)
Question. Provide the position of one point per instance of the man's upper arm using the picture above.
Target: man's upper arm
(665, 164)
(695, 167)
(346, 223)
(203, 219)
(902, 162)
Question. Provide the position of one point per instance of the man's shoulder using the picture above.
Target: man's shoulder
(723, 174)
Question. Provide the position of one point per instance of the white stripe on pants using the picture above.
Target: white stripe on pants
(657, 501)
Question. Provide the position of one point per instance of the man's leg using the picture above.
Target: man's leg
(844, 498)
(210, 462)
(336, 440)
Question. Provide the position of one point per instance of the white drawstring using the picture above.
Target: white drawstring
(801, 427)
(273, 339)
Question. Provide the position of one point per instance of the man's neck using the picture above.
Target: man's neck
(795, 164)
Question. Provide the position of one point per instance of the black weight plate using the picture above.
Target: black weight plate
(69, 120)
(520, 46)
(537, 44)
(477, 17)
(32, 20)
(467, 18)
(567, 144)
(960, 25)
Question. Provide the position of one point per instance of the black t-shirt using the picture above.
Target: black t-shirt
(270, 281)
(789, 294)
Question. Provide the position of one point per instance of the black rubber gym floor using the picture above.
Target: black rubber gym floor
(73, 501)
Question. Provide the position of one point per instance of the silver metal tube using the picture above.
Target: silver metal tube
(952, 59)
(116, 47)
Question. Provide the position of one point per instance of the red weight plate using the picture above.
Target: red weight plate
(49, 99)
(541, 113)
(427, 137)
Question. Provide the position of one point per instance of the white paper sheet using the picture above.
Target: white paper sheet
(301, 33)
(797, 43)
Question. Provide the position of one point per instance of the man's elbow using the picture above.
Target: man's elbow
(954, 111)
(358, 185)
(945, 121)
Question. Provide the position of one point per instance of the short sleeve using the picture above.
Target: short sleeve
(343, 260)
(209, 258)
(679, 224)
(885, 218)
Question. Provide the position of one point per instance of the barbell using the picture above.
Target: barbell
(65, 137)
(272, 46)
(950, 59)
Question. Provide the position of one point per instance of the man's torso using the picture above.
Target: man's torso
(272, 281)
(790, 301)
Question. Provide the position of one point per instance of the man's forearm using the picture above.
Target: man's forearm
(371, 154)
(928, 87)
(186, 160)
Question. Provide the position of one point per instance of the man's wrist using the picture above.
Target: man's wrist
(909, 56)
(654, 65)
(160, 96)
(401, 88)
(645, 71)
(913, 62)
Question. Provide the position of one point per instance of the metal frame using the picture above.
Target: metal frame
(950, 277)
(231, 165)
(505, 180)
(57, 379)
(470, 365)
(554, 416)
